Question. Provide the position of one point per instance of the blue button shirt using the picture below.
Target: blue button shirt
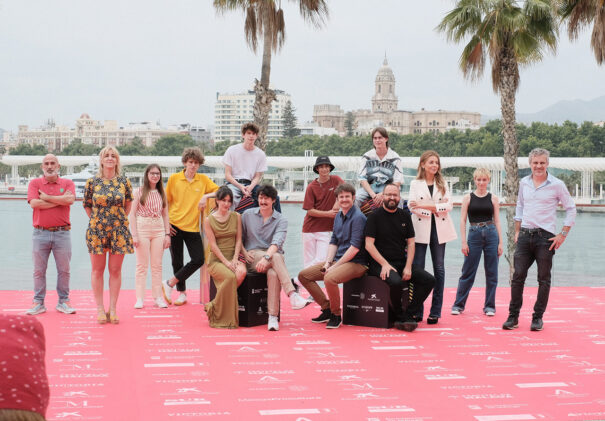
(537, 206)
(348, 231)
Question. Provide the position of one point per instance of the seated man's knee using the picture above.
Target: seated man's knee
(394, 279)
(331, 279)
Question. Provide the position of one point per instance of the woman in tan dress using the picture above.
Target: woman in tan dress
(223, 229)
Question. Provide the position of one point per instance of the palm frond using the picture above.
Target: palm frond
(597, 41)
(472, 59)
(251, 29)
(579, 14)
(314, 12)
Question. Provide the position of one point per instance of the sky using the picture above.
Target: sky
(161, 60)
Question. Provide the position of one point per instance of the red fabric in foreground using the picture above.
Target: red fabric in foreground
(161, 364)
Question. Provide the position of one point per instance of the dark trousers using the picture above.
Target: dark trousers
(195, 248)
(531, 247)
(418, 287)
(438, 257)
(276, 205)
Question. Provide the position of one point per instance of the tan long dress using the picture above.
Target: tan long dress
(223, 310)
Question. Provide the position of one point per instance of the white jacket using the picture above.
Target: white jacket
(421, 218)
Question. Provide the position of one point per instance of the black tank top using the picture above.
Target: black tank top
(480, 209)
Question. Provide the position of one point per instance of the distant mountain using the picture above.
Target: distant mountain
(577, 110)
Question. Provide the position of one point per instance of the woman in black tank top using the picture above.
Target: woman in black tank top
(485, 236)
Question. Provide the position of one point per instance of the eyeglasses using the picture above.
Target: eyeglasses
(155, 173)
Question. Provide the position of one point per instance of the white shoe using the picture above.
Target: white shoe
(138, 304)
(273, 324)
(181, 300)
(167, 291)
(490, 313)
(310, 299)
(161, 303)
(456, 312)
(297, 302)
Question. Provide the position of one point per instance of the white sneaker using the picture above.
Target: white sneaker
(273, 324)
(65, 308)
(456, 312)
(161, 303)
(37, 308)
(167, 291)
(297, 302)
(310, 299)
(490, 313)
(139, 303)
(181, 300)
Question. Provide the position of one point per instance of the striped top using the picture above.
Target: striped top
(153, 205)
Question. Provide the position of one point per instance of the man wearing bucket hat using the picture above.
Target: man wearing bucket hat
(320, 204)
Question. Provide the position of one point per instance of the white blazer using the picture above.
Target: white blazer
(421, 218)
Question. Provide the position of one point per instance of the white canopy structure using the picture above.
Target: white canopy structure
(587, 166)
(343, 163)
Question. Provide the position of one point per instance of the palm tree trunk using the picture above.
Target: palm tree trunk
(263, 95)
(508, 88)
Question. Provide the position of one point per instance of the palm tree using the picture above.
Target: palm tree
(511, 35)
(580, 13)
(265, 19)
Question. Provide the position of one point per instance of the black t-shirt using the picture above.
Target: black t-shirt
(390, 232)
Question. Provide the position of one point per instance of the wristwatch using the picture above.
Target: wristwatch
(267, 257)
(564, 233)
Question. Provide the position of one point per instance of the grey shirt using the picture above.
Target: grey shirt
(257, 234)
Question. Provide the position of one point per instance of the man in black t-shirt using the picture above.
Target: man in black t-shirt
(388, 231)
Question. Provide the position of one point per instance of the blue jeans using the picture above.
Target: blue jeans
(438, 257)
(480, 239)
(59, 242)
(531, 247)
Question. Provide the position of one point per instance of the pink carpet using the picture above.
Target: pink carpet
(162, 364)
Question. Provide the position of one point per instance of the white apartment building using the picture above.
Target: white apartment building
(234, 109)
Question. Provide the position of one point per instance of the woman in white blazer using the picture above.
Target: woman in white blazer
(431, 202)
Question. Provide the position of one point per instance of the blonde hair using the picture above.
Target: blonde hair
(439, 180)
(102, 155)
(482, 171)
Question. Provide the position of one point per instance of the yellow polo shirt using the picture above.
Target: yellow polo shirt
(183, 197)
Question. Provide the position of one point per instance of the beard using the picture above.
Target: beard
(391, 204)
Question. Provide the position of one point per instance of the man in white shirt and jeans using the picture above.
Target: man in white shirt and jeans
(535, 224)
(245, 164)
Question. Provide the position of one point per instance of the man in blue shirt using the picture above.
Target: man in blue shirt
(346, 258)
(535, 224)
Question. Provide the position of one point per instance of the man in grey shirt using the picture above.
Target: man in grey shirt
(263, 236)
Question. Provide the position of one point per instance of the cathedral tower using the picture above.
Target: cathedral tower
(384, 99)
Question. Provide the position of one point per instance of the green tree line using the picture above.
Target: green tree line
(566, 140)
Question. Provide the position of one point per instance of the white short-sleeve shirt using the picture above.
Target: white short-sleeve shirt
(244, 163)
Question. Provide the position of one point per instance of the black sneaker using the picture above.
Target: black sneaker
(335, 322)
(323, 317)
(536, 324)
(511, 323)
(408, 325)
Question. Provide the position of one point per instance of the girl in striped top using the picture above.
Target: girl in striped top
(151, 234)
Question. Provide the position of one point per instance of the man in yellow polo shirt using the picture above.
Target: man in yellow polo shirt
(187, 192)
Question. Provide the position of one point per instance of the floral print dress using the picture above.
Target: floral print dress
(108, 227)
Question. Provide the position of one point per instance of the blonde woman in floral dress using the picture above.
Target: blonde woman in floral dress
(107, 201)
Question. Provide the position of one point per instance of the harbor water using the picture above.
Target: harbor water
(579, 262)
